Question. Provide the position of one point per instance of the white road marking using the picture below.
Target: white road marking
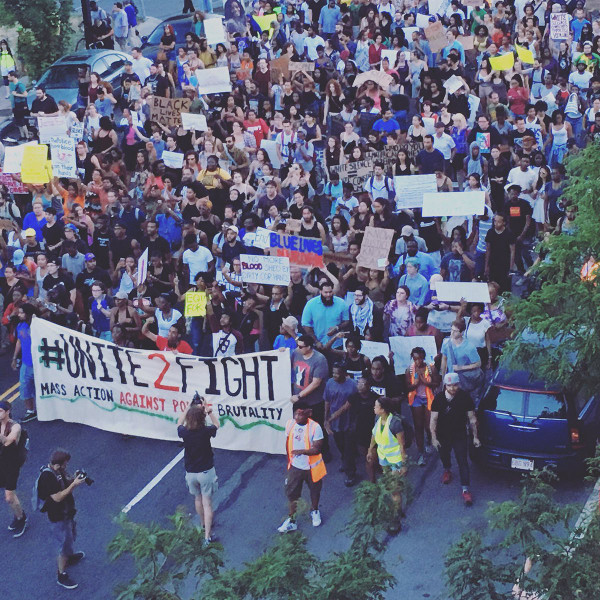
(152, 483)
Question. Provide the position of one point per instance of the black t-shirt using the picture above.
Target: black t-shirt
(516, 213)
(85, 279)
(100, 247)
(452, 415)
(120, 248)
(53, 234)
(500, 244)
(50, 282)
(387, 387)
(198, 451)
(365, 417)
(47, 105)
(50, 483)
(158, 245)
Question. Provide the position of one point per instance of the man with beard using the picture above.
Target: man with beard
(172, 343)
(325, 315)
(232, 246)
(426, 266)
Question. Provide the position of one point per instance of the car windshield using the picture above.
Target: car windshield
(181, 28)
(502, 400)
(60, 77)
(546, 406)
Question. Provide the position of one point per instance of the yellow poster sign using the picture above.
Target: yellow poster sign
(195, 304)
(34, 167)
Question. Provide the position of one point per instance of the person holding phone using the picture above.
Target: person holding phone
(200, 474)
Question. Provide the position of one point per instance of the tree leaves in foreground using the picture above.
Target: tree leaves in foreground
(171, 564)
(566, 308)
(564, 555)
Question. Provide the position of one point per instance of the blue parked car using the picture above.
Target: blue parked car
(526, 425)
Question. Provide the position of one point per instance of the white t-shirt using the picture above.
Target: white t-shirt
(163, 324)
(310, 44)
(141, 67)
(197, 261)
(475, 332)
(298, 433)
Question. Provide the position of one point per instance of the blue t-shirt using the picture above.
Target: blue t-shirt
(30, 222)
(101, 321)
(24, 335)
(322, 318)
(465, 354)
(282, 342)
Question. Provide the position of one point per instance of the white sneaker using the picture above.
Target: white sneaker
(316, 517)
(287, 525)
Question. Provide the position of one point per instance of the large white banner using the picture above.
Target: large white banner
(453, 204)
(82, 379)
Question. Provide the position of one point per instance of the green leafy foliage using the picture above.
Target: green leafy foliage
(44, 30)
(567, 307)
(564, 557)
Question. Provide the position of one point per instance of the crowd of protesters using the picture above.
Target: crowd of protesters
(70, 249)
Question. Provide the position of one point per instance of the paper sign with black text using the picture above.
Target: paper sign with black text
(267, 270)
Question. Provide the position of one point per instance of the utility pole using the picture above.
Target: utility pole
(87, 22)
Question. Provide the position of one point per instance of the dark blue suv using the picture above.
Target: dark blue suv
(526, 425)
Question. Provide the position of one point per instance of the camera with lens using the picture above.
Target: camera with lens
(197, 400)
(81, 474)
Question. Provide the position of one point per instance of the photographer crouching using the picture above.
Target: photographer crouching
(55, 489)
(200, 474)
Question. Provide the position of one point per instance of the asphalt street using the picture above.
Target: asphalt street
(250, 506)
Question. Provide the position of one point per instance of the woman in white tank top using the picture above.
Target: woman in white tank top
(560, 132)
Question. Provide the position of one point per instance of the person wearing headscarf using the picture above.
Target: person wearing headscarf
(361, 310)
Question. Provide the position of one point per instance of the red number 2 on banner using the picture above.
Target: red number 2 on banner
(158, 383)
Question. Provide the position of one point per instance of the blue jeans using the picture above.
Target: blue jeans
(197, 335)
(26, 381)
(577, 125)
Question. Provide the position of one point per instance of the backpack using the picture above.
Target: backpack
(37, 504)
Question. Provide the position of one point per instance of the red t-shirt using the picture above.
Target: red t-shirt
(182, 347)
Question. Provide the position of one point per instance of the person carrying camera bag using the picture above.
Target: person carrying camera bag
(200, 474)
(55, 489)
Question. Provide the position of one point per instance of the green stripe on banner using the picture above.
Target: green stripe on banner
(111, 407)
(250, 425)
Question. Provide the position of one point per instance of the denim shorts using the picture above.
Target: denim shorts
(419, 401)
(65, 533)
(392, 466)
(26, 382)
(202, 484)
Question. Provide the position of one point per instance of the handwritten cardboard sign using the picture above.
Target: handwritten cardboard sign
(268, 270)
(375, 248)
(302, 251)
(62, 154)
(436, 36)
(307, 67)
(50, 127)
(559, 26)
(167, 111)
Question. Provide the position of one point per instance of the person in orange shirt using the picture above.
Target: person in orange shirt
(71, 195)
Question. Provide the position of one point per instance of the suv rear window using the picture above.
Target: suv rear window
(546, 406)
(500, 399)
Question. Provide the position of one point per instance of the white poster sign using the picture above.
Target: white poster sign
(402, 346)
(423, 20)
(215, 32)
(559, 26)
(270, 147)
(62, 154)
(410, 190)
(50, 127)
(262, 238)
(190, 121)
(454, 291)
(76, 132)
(13, 157)
(213, 81)
(453, 83)
(453, 204)
(174, 160)
(268, 270)
(372, 349)
(83, 379)
(142, 267)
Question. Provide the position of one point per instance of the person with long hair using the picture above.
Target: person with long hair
(7, 64)
(200, 474)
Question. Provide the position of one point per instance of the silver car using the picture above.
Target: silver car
(61, 82)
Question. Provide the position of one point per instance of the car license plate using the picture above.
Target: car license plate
(524, 464)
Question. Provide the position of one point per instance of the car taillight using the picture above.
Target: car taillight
(575, 438)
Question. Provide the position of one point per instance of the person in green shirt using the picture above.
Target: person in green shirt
(18, 101)
(588, 58)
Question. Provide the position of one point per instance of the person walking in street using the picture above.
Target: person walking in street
(340, 418)
(10, 466)
(304, 442)
(120, 25)
(55, 489)
(450, 411)
(23, 350)
(200, 474)
(18, 102)
(7, 64)
(388, 437)
(310, 371)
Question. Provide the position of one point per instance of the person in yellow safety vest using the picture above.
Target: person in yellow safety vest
(388, 436)
(421, 380)
(304, 441)
(7, 63)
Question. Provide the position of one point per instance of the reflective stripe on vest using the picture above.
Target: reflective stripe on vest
(317, 466)
(388, 447)
(413, 380)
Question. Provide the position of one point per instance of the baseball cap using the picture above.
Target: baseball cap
(233, 228)
(30, 232)
(290, 322)
(71, 227)
(121, 295)
(90, 256)
(451, 379)
(17, 257)
(407, 230)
